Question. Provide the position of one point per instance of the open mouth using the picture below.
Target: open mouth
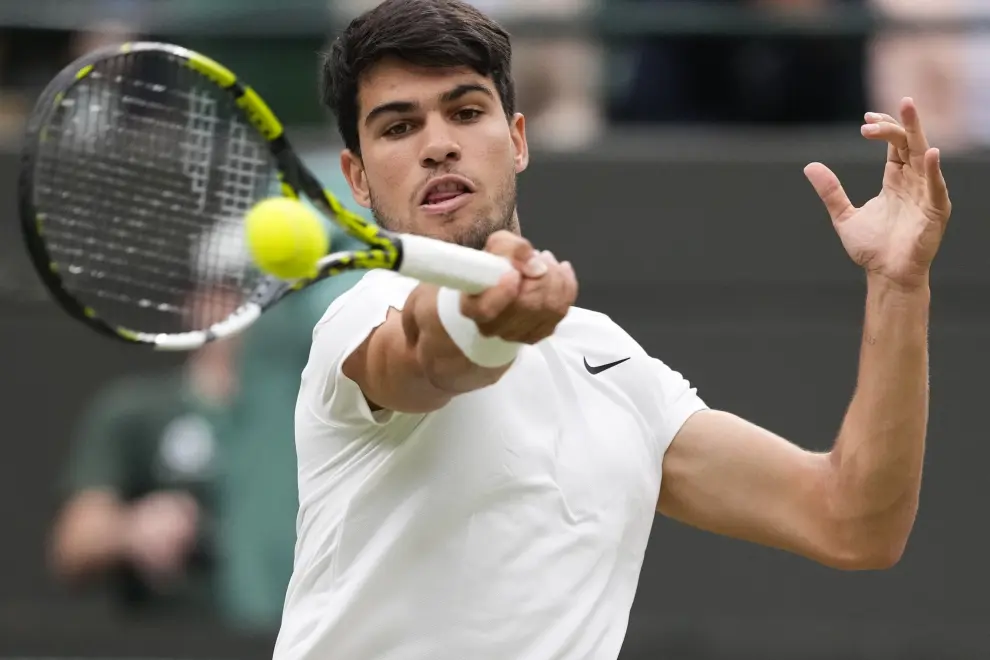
(446, 194)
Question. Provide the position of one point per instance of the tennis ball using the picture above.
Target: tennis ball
(286, 238)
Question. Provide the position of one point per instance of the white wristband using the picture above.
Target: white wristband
(484, 351)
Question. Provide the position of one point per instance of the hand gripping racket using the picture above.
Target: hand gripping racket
(139, 165)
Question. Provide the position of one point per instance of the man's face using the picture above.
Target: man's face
(438, 157)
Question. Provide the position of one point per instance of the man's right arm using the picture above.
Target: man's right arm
(411, 364)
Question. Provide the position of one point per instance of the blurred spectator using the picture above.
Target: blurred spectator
(947, 73)
(559, 79)
(140, 484)
(182, 487)
(740, 79)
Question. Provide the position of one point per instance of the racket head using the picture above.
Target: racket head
(138, 165)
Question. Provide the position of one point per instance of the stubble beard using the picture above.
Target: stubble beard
(475, 235)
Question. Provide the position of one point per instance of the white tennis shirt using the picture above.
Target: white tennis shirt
(510, 524)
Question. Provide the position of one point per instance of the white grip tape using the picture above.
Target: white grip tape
(490, 352)
(446, 264)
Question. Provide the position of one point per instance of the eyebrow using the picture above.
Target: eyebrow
(399, 107)
(463, 90)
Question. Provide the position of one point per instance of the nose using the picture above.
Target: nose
(440, 146)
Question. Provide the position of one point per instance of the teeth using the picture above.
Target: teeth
(449, 187)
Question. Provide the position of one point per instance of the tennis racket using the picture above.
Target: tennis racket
(139, 165)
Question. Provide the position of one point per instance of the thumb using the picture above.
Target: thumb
(827, 185)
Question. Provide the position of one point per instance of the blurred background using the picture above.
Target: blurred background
(147, 502)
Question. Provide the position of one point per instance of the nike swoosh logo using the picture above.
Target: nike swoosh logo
(597, 370)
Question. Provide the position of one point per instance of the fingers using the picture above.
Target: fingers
(917, 142)
(517, 250)
(566, 291)
(938, 192)
(906, 138)
(524, 309)
(487, 306)
(880, 126)
(827, 185)
(560, 295)
(908, 145)
(564, 288)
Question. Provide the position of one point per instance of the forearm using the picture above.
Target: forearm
(410, 364)
(877, 460)
(88, 537)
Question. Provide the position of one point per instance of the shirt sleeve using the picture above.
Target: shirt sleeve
(336, 399)
(97, 456)
(675, 401)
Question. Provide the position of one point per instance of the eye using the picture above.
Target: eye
(467, 114)
(396, 130)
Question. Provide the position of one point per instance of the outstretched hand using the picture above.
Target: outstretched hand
(896, 234)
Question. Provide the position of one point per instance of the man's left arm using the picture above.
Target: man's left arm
(853, 507)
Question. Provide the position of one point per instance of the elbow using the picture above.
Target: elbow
(878, 556)
(873, 545)
(866, 532)
(885, 558)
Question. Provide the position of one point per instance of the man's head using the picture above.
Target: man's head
(424, 99)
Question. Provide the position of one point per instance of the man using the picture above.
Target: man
(478, 475)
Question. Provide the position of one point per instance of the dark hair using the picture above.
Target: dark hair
(433, 33)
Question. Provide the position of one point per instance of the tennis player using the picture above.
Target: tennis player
(478, 475)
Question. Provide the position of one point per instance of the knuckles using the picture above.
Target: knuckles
(533, 311)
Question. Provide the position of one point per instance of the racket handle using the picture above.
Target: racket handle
(446, 264)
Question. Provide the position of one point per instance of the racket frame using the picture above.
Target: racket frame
(415, 256)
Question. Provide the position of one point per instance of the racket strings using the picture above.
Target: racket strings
(88, 199)
(80, 247)
(143, 180)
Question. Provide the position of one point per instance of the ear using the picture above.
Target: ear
(353, 169)
(517, 132)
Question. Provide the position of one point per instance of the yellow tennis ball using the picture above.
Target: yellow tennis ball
(286, 238)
